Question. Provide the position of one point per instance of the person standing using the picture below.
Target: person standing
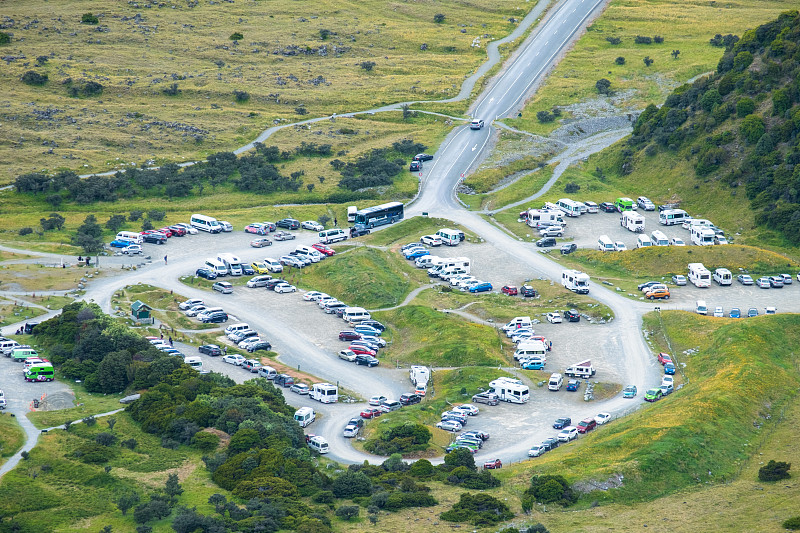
(170, 341)
(165, 259)
(335, 223)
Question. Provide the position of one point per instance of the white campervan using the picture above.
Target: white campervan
(576, 281)
(699, 275)
(632, 221)
(354, 315)
(217, 266)
(194, 362)
(723, 276)
(671, 217)
(659, 239)
(324, 392)
(419, 375)
(555, 382)
(604, 244)
(318, 444)
(450, 237)
(232, 263)
(541, 218)
(333, 235)
(571, 208)
(702, 235)
(510, 390)
(209, 224)
(132, 236)
(529, 349)
(643, 241)
(304, 416)
(701, 308)
(517, 323)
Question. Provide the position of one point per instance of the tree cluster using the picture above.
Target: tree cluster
(718, 125)
(406, 438)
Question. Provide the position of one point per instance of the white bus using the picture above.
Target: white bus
(571, 208)
(699, 275)
(325, 393)
(510, 390)
(671, 217)
(702, 235)
(576, 281)
(220, 268)
(209, 224)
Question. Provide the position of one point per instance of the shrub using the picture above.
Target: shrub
(89, 18)
(774, 471)
(156, 214)
(93, 453)
(641, 39)
(620, 60)
(205, 441)
(324, 34)
(172, 90)
(658, 39)
(571, 187)
(236, 36)
(745, 106)
(792, 523)
(129, 443)
(479, 510)
(25, 231)
(752, 128)
(300, 110)
(403, 500)
(545, 117)
(105, 439)
(438, 18)
(675, 54)
(155, 509)
(135, 215)
(551, 489)
(614, 40)
(4, 38)
(647, 61)
(367, 65)
(347, 512)
(324, 496)
(603, 86)
(460, 457)
(90, 421)
(115, 222)
(351, 484)
(34, 78)
(241, 96)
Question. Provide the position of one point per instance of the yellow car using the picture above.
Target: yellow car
(260, 268)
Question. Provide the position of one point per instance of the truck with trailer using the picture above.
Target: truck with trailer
(583, 370)
(576, 281)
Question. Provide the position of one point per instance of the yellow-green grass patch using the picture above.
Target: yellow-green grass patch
(412, 229)
(11, 437)
(11, 313)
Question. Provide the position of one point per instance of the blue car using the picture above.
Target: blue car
(117, 243)
(669, 369)
(481, 287)
(367, 330)
(533, 365)
(735, 313)
(417, 253)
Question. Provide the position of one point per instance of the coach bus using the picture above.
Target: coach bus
(379, 215)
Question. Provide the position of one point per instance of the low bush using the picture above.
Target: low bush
(479, 510)
(551, 489)
(400, 439)
(774, 471)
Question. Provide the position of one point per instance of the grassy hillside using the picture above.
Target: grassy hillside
(11, 437)
(169, 71)
(738, 385)
(684, 26)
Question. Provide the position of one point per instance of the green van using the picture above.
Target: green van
(18, 355)
(40, 372)
(624, 204)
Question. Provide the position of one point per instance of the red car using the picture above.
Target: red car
(349, 336)
(370, 412)
(166, 231)
(510, 290)
(321, 248)
(664, 358)
(177, 231)
(493, 464)
(362, 350)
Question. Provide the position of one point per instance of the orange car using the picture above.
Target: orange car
(657, 293)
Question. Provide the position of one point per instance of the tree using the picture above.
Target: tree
(675, 54)
(752, 128)
(55, 200)
(89, 236)
(205, 441)
(619, 61)
(104, 438)
(460, 457)
(323, 219)
(89, 18)
(135, 215)
(603, 86)
(126, 501)
(647, 61)
(241, 96)
(156, 214)
(172, 90)
(243, 440)
(147, 225)
(774, 471)
(172, 487)
(115, 222)
(300, 110)
(34, 78)
(54, 221)
(745, 106)
(236, 36)
(545, 116)
(111, 421)
(367, 65)
(351, 484)
(438, 18)
(324, 34)
(347, 512)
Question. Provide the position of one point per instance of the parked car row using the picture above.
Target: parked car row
(568, 432)
(196, 308)
(130, 243)
(246, 338)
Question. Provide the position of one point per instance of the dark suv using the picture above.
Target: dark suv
(568, 248)
(367, 360)
(215, 318)
(270, 286)
(410, 399)
(288, 223)
(527, 291)
(154, 238)
(562, 422)
(546, 242)
(284, 380)
(572, 315)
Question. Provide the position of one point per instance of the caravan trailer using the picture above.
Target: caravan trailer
(699, 275)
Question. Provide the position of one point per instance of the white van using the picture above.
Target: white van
(701, 308)
(311, 252)
(318, 444)
(526, 350)
(426, 261)
(232, 263)
(267, 372)
(217, 266)
(450, 237)
(699, 275)
(723, 276)
(555, 382)
(194, 362)
(333, 235)
(632, 221)
(517, 323)
(643, 241)
(7, 345)
(235, 328)
(132, 236)
(604, 244)
(304, 416)
(324, 392)
(355, 314)
(671, 217)
(659, 239)
(204, 223)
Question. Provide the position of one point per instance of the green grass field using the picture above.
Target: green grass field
(11, 437)
(294, 61)
(684, 26)
(11, 314)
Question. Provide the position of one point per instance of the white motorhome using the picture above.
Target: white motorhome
(643, 241)
(209, 224)
(517, 323)
(576, 281)
(217, 266)
(723, 276)
(510, 390)
(605, 244)
(671, 217)
(691, 222)
(659, 239)
(134, 237)
(194, 362)
(583, 370)
(702, 235)
(232, 263)
(450, 237)
(324, 392)
(355, 314)
(571, 208)
(309, 251)
(419, 375)
(555, 382)
(540, 218)
(318, 444)
(304, 416)
(699, 275)
(351, 213)
(451, 262)
(529, 349)
(700, 307)
(632, 221)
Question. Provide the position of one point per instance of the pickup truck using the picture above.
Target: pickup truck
(489, 398)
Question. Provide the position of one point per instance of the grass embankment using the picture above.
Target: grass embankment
(34, 277)
(50, 301)
(306, 62)
(743, 374)
(12, 256)
(11, 437)
(412, 229)
(53, 490)
(164, 304)
(421, 335)
(11, 313)
(87, 404)
(501, 308)
(449, 387)
(685, 26)
(527, 185)
(363, 277)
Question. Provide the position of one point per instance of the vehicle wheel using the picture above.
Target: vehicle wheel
(666, 297)
(558, 235)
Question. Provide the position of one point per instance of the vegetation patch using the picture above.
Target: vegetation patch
(527, 185)
(421, 335)
(11, 313)
(413, 228)
(11, 437)
(404, 438)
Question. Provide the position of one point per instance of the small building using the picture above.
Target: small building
(140, 312)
